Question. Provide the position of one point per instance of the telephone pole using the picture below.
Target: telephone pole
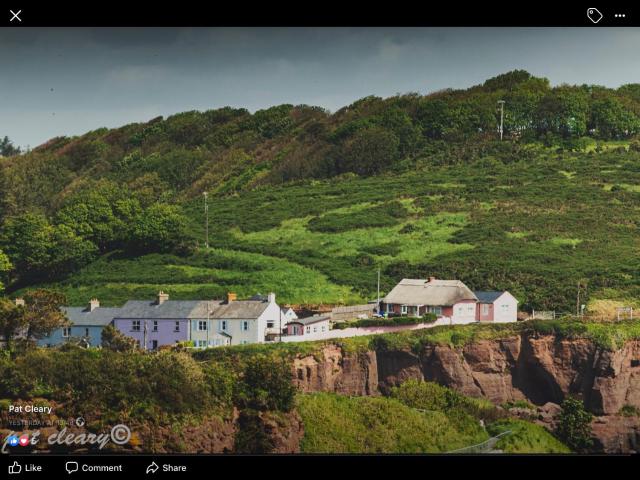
(501, 103)
(378, 303)
(206, 215)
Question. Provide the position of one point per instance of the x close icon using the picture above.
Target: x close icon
(15, 16)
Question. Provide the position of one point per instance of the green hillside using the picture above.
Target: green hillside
(310, 204)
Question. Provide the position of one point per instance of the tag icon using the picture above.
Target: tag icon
(594, 15)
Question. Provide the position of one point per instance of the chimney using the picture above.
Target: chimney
(93, 304)
(231, 297)
(162, 297)
(431, 279)
(271, 297)
(19, 302)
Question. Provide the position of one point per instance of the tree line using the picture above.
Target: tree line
(100, 217)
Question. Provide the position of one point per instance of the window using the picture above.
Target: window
(436, 310)
(403, 309)
(177, 327)
(86, 332)
(155, 325)
(154, 344)
(202, 343)
(244, 342)
(485, 309)
(505, 307)
(202, 325)
(324, 328)
(471, 307)
(135, 326)
(315, 329)
(245, 325)
(66, 332)
(269, 324)
(308, 329)
(223, 325)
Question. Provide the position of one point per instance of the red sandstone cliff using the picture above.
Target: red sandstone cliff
(540, 369)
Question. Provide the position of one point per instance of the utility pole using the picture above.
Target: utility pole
(378, 302)
(208, 321)
(578, 301)
(501, 103)
(145, 335)
(206, 214)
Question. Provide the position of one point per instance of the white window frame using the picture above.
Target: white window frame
(176, 328)
(245, 325)
(436, 310)
(308, 329)
(202, 325)
(155, 325)
(403, 309)
(223, 325)
(135, 325)
(485, 309)
(66, 332)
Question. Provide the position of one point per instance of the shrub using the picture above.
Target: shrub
(114, 339)
(630, 411)
(574, 425)
(266, 384)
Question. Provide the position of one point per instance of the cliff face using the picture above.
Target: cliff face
(538, 369)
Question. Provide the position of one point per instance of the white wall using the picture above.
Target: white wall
(505, 309)
(464, 312)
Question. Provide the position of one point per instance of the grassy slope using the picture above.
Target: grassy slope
(534, 228)
(339, 424)
(525, 437)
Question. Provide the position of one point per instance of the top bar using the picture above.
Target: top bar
(18, 14)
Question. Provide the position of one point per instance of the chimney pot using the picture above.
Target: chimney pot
(271, 297)
(162, 297)
(19, 302)
(231, 297)
(431, 279)
(93, 304)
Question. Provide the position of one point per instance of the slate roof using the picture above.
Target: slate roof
(488, 297)
(310, 320)
(169, 309)
(100, 316)
(424, 292)
(242, 309)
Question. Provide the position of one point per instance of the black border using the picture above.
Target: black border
(307, 466)
(319, 14)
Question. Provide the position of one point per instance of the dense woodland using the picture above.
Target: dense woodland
(310, 203)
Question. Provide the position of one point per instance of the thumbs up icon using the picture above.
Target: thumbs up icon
(15, 468)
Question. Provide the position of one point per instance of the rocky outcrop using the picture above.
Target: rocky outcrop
(541, 369)
(285, 430)
(333, 371)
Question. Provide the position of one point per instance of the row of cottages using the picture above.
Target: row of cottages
(451, 300)
(206, 323)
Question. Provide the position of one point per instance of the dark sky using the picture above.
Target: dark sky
(69, 81)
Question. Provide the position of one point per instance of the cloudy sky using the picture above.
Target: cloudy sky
(69, 81)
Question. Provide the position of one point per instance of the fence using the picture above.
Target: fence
(350, 312)
(543, 314)
(484, 447)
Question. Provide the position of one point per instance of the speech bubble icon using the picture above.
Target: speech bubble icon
(71, 467)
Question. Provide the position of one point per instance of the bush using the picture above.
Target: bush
(574, 425)
(252, 436)
(266, 384)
